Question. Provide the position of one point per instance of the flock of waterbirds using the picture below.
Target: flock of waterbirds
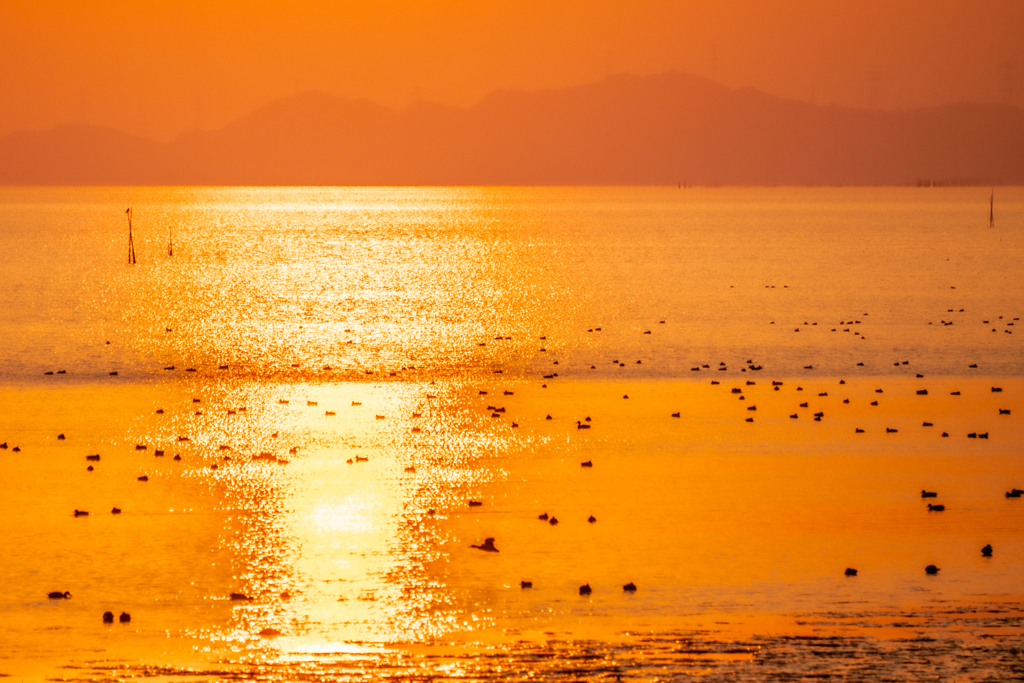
(750, 365)
(488, 544)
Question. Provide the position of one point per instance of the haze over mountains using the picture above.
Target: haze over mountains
(624, 130)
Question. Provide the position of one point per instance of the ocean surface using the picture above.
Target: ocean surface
(726, 397)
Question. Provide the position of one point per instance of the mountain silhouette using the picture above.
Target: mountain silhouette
(624, 130)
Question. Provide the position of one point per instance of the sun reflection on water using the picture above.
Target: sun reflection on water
(346, 374)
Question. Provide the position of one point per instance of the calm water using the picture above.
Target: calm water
(311, 327)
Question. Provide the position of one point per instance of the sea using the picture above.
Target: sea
(511, 433)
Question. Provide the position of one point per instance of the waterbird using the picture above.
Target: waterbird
(124, 618)
(931, 570)
(115, 511)
(475, 503)
(240, 596)
(858, 430)
(1004, 412)
(936, 508)
(585, 589)
(630, 587)
(81, 513)
(94, 458)
(928, 494)
(587, 463)
(108, 617)
(486, 546)
(986, 551)
(553, 521)
(143, 478)
(850, 571)
(591, 519)
(57, 595)
(543, 517)
(1015, 493)
(526, 584)
(580, 425)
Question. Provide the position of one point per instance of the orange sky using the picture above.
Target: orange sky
(159, 69)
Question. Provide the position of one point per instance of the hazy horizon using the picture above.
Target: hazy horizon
(399, 108)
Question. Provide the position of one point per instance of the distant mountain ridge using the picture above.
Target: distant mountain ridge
(624, 130)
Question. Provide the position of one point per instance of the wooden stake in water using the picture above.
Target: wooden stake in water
(131, 241)
(992, 209)
(170, 242)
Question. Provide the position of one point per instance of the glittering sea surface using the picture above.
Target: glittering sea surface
(334, 393)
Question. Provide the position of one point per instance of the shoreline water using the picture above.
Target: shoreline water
(832, 497)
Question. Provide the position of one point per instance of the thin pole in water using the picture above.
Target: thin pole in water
(992, 209)
(131, 241)
(170, 242)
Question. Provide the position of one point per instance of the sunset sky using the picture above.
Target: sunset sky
(160, 69)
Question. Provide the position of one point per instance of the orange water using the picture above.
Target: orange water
(736, 533)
